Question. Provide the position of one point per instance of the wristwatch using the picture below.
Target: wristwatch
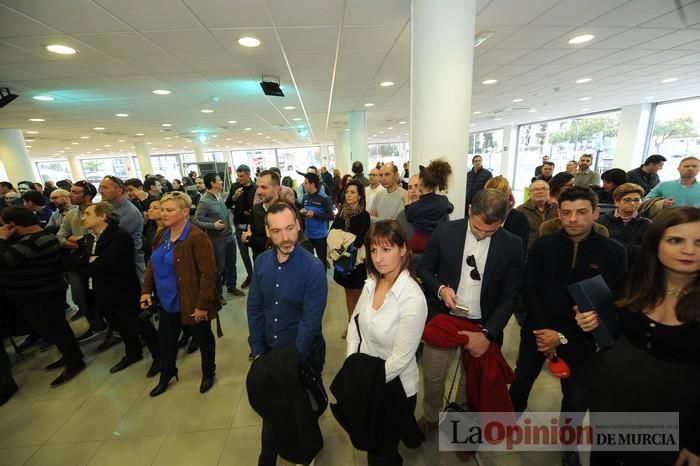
(487, 334)
(562, 338)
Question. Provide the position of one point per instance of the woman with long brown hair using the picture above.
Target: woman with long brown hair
(655, 365)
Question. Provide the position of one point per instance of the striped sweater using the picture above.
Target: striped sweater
(31, 265)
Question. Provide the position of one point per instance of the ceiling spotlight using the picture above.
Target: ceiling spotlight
(161, 92)
(583, 80)
(248, 42)
(121, 115)
(296, 119)
(121, 140)
(517, 100)
(43, 98)
(207, 110)
(247, 129)
(166, 125)
(139, 134)
(75, 143)
(84, 137)
(532, 110)
(489, 81)
(386, 83)
(669, 80)
(585, 98)
(581, 39)
(61, 49)
(477, 113)
(369, 104)
(37, 120)
(289, 107)
(32, 132)
(232, 122)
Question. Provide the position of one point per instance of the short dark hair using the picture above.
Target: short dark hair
(106, 209)
(64, 184)
(243, 168)
(492, 204)
(477, 155)
(548, 162)
(654, 159)
(20, 216)
(134, 183)
(314, 179)
(149, 183)
(34, 197)
(6, 184)
(209, 178)
(28, 183)
(615, 175)
(357, 167)
(558, 181)
(274, 176)
(88, 188)
(576, 193)
(383, 232)
(279, 206)
(590, 156)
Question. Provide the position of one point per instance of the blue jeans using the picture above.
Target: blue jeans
(225, 255)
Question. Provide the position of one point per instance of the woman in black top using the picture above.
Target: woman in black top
(655, 365)
(354, 219)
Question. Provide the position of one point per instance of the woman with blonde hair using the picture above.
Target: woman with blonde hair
(182, 272)
(516, 221)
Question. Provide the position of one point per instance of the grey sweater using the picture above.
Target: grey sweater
(209, 210)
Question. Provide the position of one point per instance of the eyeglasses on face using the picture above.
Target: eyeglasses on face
(474, 274)
(631, 200)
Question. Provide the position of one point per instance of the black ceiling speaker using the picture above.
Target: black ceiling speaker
(6, 96)
(271, 87)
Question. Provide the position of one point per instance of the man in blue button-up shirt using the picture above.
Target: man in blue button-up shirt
(286, 301)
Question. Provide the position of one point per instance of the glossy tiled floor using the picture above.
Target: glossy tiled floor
(101, 419)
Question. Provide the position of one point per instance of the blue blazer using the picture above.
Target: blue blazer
(502, 276)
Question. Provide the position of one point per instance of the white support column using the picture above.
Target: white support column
(324, 155)
(144, 157)
(342, 156)
(76, 168)
(199, 153)
(15, 157)
(508, 155)
(632, 135)
(357, 121)
(442, 59)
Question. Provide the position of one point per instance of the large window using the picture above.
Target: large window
(54, 170)
(167, 165)
(255, 159)
(298, 159)
(676, 134)
(96, 169)
(394, 152)
(564, 140)
(488, 144)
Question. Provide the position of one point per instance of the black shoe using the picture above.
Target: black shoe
(184, 339)
(207, 383)
(28, 342)
(235, 291)
(110, 341)
(246, 282)
(89, 335)
(67, 375)
(163, 384)
(44, 346)
(7, 391)
(250, 356)
(55, 365)
(124, 363)
(194, 346)
(154, 369)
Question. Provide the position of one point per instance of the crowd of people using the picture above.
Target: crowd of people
(154, 261)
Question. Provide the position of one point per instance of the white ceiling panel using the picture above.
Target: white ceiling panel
(584, 56)
(689, 46)
(120, 44)
(531, 37)
(230, 14)
(52, 70)
(12, 54)
(69, 16)
(105, 67)
(630, 38)
(513, 12)
(37, 45)
(674, 39)
(308, 13)
(11, 73)
(371, 37)
(316, 39)
(624, 57)
(372, 12)
(186, 43)
(14, 23)
(499, 56)
(692, 59)
(635, 12)
(675, 20)
(161, 63)
(541, 56)
(152, 15)
(575, 12)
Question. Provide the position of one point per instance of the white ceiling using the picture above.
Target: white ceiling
(127, 48)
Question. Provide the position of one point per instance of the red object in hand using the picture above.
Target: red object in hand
(559, 368)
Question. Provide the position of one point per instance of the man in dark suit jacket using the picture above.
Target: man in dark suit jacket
(482, 284)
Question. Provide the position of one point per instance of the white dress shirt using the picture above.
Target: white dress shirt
(370, 194)
(393, 331)
(469, 290)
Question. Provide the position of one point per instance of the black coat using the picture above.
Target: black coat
(368, 408)
(517, 223)
(629, 234)
(441, 264)
(276, 394)
(115, 284)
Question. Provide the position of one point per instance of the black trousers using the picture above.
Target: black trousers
(168, 332)
(387, 453)
(576, 353)
(129, 325)
(321, 247)
(45, 314)
(5, 368)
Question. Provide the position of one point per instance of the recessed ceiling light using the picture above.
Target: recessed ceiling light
(477, 113)
(296, 119)
(161, 92)
(248, 42)
(121, 115)
(247, 129)
(28, 147)
(84, 137)
(166, 125)
(386, 83)
(215, 135)
(289, 107)
(669, 80)
(37, 120)
(32, 132)
(239, 142)
(585, 98)
(75, 143)
(29, 140)
(66, 148)
(583, 80)
(121, 140)
(207, 110)
(139, 134)
(402, 122)
(347, 129)
(517, 100)
(267, 137)
(581, 39)
(232, 122)
(149, 143)
(107, 145)
(381, 132)
(61, 49)
(259, 134)
(532, 110)
(497, 119)
(369, 104)
(489, 81)
(649, 97)
(98, 128)
(46, 98)
(98, 149)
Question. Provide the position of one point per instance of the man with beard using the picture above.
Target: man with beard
(60, 199)
(286, 300)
